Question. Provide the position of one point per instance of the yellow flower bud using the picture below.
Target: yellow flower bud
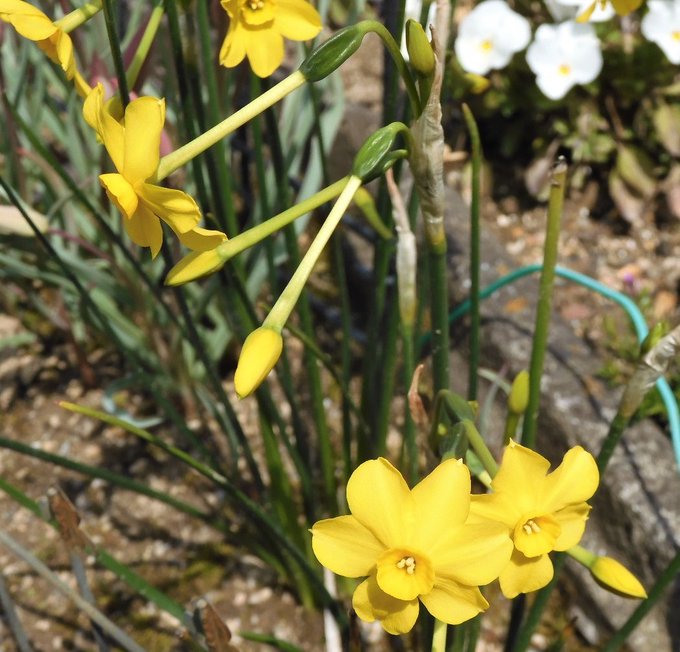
(615, 576)
(478, 84)
(519, 393)
(259, 354)
(419, 48)
(193, 266)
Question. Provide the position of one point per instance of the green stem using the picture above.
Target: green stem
(410, 442)
(538, 606)
(655, 593)
(145, 44)
(284, 305)
(616, 428)
(540, 341)
(479, 446)
(224, 188)
(439, 636)
(109, 19)
(439, 306)
(78, 16)
(259, 232)
(179, 157)
(475, 258)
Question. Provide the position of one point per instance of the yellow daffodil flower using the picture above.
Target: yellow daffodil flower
(133, 143)
(257, 29)
(542, 511)
(34, 25)
(413, 545)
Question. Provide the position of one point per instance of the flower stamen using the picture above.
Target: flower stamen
(408, 564)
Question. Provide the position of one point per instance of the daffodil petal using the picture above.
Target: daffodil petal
(174, 207)
(371, 604)
(200, 239)
(144, 119)
(194, 266)
(501, 508)
(380, 499)
(92, 106)
(524, 574)
(345, 546)
(28, 20)
(233, 49)
(572, 520)
(145, 229)
(474, 554)
(120, 192)
(573, 481)
(454, 603)
(297, 20)
(265, 51)
(521, 475)
(442, 499)
(64, 53)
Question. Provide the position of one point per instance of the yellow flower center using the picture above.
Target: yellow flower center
(258, 12)
(404, 574)
(536, 535)
(486, 46)
(564, 69)
(408, 564)
(676, 35)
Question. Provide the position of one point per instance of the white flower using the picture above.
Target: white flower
(489, 35)
(564, 55)
(596, 12)
(661, 25)
(412, 10)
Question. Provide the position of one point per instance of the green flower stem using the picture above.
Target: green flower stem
(439, 636)
(538, 606)
(479, 446)
(259, 232)
(78, 16)
(12, 619)
(582, 556)
(114, 42)
(655, 593)
(145, 44)
(557, 185)
(439, 306)
(616, 429)
(184, 154)
(286, 302)
(410, 441)
(511, 423)
(224, 191)
(475, 260)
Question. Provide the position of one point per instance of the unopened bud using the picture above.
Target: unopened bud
(419, 48)
(331, 54)
(375, 154)
(518, 400)
(615, 576)
(478, 84)
(260, 352)
(195, 265)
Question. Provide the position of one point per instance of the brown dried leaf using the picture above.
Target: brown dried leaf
(217, 634)
(415, 403)
(67, 519)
